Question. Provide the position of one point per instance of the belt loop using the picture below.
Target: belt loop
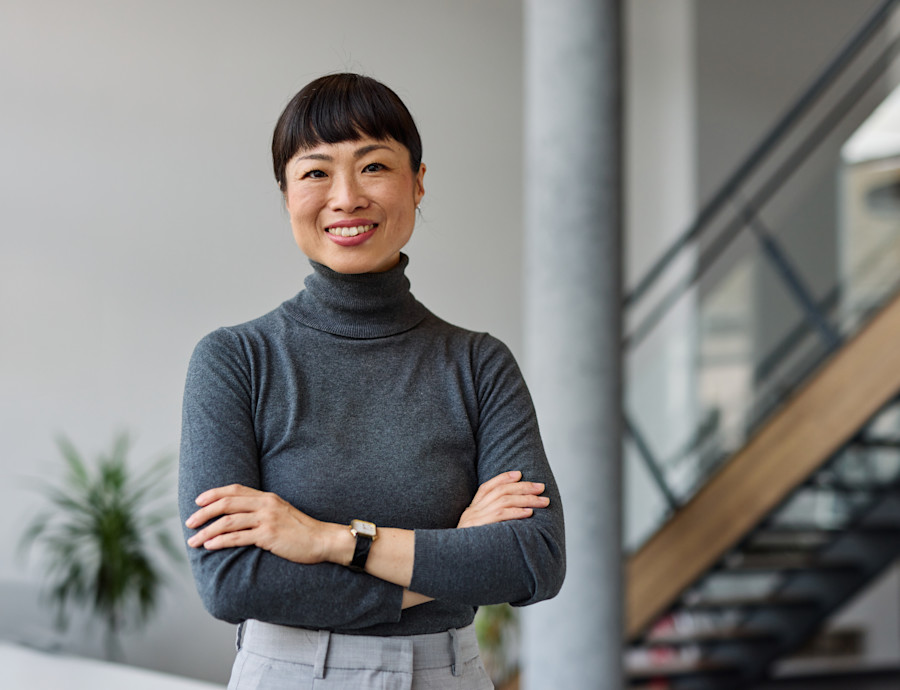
(322, 653)
(455, 660)
(239, 637)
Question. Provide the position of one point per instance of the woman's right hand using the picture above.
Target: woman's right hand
(505, 497)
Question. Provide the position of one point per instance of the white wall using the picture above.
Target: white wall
(139, 212)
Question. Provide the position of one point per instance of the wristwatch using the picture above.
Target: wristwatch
(365, 533)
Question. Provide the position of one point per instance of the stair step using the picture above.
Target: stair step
(874, 442)
(872, 487)
(769, 601)
(677, 668)
(793, 539)
(706, 637)
(780, 562)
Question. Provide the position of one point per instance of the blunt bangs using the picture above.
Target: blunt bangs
(342, 107)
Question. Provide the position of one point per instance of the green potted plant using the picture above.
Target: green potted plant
(100, 538)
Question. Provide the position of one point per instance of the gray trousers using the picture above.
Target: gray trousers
(276, 657)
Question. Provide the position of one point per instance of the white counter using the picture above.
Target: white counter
(28, 669)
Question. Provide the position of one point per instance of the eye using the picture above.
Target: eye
(313, 174)
(374, 167)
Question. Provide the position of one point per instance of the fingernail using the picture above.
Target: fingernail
(540, 486)
(515, 474)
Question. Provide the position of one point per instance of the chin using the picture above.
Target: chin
(355, 267)
(360, 264)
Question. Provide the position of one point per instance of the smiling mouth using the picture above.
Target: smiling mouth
(352, 231)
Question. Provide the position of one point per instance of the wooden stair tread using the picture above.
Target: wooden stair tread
(677, 667)
(705, 636)
(756, 562)
(750, 602)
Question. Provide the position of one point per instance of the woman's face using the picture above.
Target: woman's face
(353, 204)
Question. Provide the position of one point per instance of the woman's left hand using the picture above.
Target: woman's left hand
(505, 497)
(248, 517)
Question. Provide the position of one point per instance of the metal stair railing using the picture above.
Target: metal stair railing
(737, 210)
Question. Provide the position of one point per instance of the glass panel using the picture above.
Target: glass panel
(661, 398)
(795, 262)
(645, 505)
(786, 347)
(695, 388)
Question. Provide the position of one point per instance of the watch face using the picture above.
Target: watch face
(366, 529)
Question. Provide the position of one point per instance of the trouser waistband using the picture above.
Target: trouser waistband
(323, 649)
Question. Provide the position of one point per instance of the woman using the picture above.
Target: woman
(357, 475)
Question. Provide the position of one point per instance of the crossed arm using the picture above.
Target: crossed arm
(242, 516)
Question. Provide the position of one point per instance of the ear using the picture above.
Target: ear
(419, 188)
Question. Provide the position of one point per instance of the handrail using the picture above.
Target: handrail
(768, 143)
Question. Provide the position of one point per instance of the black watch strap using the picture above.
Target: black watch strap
(361, 553)
(365, 533)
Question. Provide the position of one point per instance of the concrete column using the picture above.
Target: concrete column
(572, 327)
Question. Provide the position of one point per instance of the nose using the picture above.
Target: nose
(347, 194)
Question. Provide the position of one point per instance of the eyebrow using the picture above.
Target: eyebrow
(359, 153)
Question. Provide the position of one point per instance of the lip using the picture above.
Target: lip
(352, 223)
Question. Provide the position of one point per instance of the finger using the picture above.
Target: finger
(229, 540)
(520, 488)
(499, 480)
(516, 514)
(219, 492)
(517, 488)
(228, 505)
(514, 502)
(512, 513)
(224, 525)
(495, 486)
(524, 501)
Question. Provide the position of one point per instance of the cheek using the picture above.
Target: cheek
(403, 201)
(300, 207)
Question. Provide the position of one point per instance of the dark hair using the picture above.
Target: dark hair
(342, 107)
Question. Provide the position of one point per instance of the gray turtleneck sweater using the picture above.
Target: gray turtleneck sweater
(352, 400)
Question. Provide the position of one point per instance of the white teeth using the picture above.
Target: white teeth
(351, 231)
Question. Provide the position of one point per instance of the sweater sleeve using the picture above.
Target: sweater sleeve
(218, 447)
(518, 561)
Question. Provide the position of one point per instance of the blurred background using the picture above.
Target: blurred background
(139, 212)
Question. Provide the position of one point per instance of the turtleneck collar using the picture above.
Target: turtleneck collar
(365, 305)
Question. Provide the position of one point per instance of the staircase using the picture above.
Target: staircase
(773, 591)
(773, 537)
(801, 520)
